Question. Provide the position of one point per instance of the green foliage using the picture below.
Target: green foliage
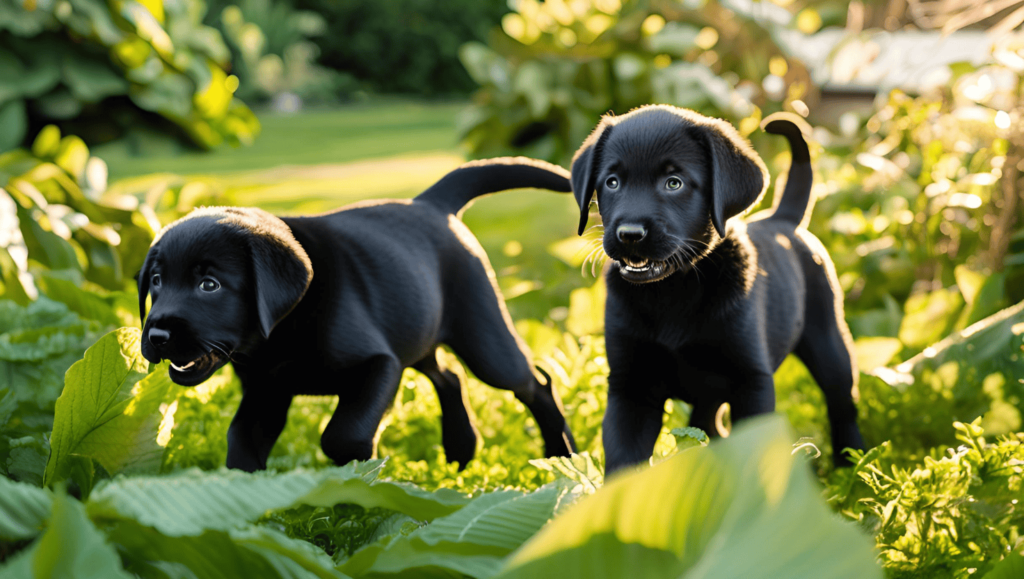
(24, 508)
(403, 46)
(37, 345)
(66, 230)
(737, 509)
(907, 210)
(70, 547)
(555, 67)
(946, 516)
(108, 411)
(211, 523)
(101, 69)
(272, 52)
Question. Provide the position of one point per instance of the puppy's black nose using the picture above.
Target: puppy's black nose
(631, 233)
(158, 337)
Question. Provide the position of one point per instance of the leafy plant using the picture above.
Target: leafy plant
(950, 515)
(403, 46)
(101, 69)
(274, 56)
(555, 67)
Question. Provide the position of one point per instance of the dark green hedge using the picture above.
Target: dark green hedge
(404, 46)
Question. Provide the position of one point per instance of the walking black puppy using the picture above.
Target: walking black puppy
(701, 308)
(339, 304)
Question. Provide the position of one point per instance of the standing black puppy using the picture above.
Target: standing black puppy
(339, 304)
(700, 308)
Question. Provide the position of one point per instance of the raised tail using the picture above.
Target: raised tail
(796, 199)
(456, 189)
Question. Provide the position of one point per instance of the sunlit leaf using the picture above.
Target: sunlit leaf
(746, 508)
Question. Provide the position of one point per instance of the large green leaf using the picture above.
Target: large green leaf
(252, 552)
(979, 367)
(86, 304)
(929, 317)
(193, 501)
(45, 246)
(402, 497)
(472, 541)
(71, 548)
(743, 507)
(23, 509)
(97, 390)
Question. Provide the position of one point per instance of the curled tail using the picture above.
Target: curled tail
(796, 199)
(456, 189)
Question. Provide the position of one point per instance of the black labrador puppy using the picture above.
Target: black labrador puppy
(701, 308)
(339, 304)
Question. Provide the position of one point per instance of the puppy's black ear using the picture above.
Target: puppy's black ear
(585, 164)
(738, 175)
(143, 278)
(281, 269)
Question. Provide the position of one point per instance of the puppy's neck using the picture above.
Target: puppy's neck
(728, 265)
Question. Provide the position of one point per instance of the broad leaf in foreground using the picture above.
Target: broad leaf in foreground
(405, 498)
(473, 541)
(98, 390)
(71, 548)
(191, 502)
(253, 552)
(743, 507)
(23, 509)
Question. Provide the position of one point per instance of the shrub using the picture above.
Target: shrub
(272, 52)
(555, 67)
(101, 69)
(403, 46)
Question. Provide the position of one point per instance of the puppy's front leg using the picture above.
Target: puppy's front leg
(350, 435)
(255, 428)
(753, 395)
(636, 403)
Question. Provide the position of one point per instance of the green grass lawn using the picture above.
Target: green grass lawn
(316, 161)
(354, 132)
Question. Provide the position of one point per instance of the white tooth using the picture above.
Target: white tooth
(183, 368)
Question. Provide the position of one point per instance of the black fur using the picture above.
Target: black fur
(700, 308)
(339, 304)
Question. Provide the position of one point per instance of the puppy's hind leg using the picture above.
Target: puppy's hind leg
(825, 349)
(488, 345)
(458, 436)
(351, 432)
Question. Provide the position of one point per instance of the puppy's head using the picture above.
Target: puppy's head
(220, 279)
(667, 181)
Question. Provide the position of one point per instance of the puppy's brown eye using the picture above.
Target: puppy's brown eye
(674, 184)
(156, 280)
(612, 183)
(209, 285)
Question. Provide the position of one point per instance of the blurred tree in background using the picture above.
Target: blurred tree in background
(101, 70)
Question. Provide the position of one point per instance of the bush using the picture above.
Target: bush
(272, 53)
(554, 68)
(102, 69)
(403, 46)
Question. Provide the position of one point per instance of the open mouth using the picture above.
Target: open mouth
(193, 372)
(642, 270)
